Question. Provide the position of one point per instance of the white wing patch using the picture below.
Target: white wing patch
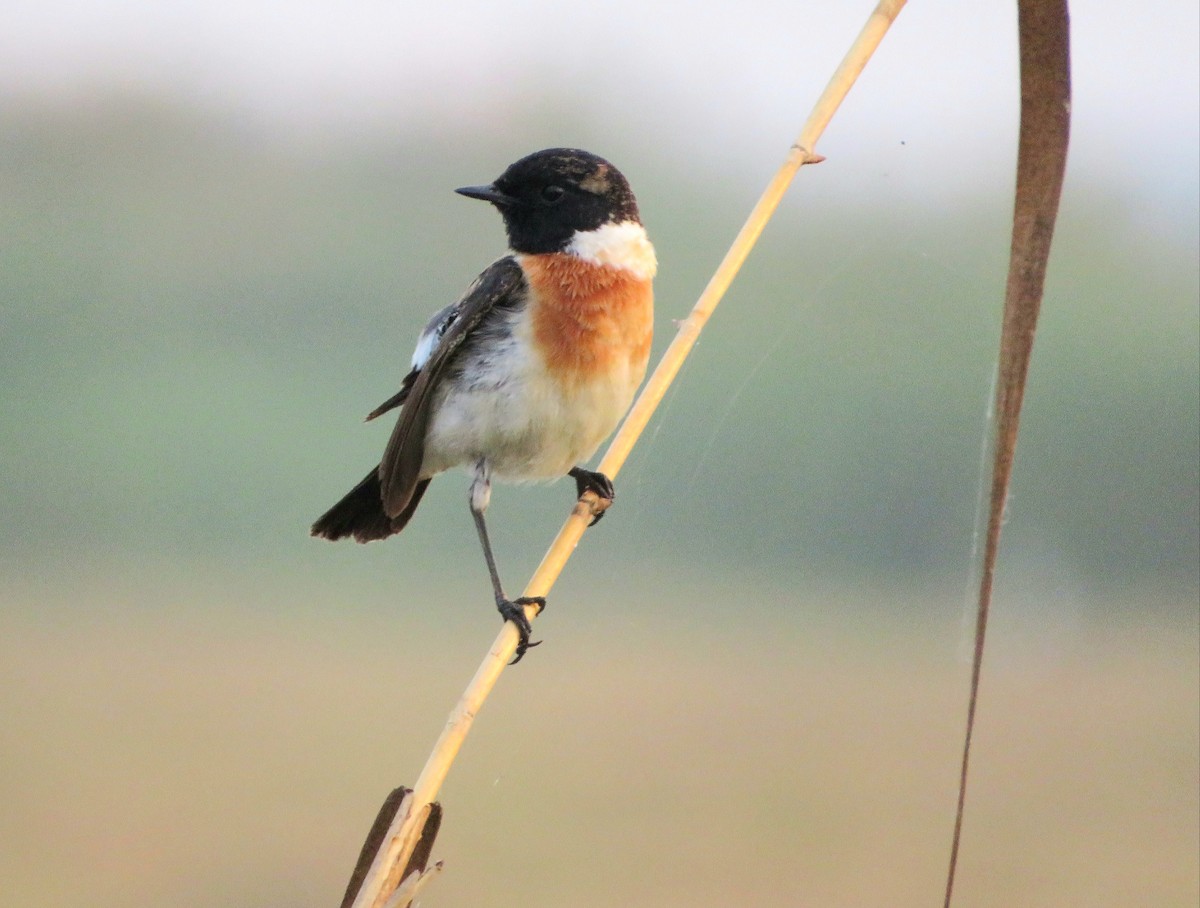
(432, 335)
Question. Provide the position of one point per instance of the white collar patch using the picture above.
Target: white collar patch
(624, 245)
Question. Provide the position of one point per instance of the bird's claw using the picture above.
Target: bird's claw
(514, 610)
(600, 485)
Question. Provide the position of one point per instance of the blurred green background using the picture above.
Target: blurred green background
(221, 229)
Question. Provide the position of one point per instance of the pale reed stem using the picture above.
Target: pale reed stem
(383, 876)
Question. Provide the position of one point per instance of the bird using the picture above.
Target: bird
(532, 368)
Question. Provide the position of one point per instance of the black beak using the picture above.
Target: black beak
(487, 194)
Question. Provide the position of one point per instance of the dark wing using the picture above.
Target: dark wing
(431, 335)
(396, 399)
(399, 471)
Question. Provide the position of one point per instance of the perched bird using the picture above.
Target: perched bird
(533, 367)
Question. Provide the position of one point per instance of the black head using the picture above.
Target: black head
(549, 195)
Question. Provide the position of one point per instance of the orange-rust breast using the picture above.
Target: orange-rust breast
(589, 320)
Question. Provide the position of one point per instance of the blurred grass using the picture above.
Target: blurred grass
(223, 751)
(197, 317)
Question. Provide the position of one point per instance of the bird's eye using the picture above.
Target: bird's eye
(552, 193)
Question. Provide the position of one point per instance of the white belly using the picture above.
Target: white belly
(508, 410)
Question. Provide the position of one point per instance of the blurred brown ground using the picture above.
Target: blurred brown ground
(226, 754)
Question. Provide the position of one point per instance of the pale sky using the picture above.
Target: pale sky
(728, 82)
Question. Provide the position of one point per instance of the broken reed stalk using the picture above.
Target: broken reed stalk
(383, 877)
(1043, 28)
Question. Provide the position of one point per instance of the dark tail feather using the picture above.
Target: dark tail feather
(400, 521)
(360, 514)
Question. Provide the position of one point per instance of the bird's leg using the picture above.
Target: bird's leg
(601, 485)
(510, 609)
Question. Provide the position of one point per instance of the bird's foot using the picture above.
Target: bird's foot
(597, 483)
(514, 610)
